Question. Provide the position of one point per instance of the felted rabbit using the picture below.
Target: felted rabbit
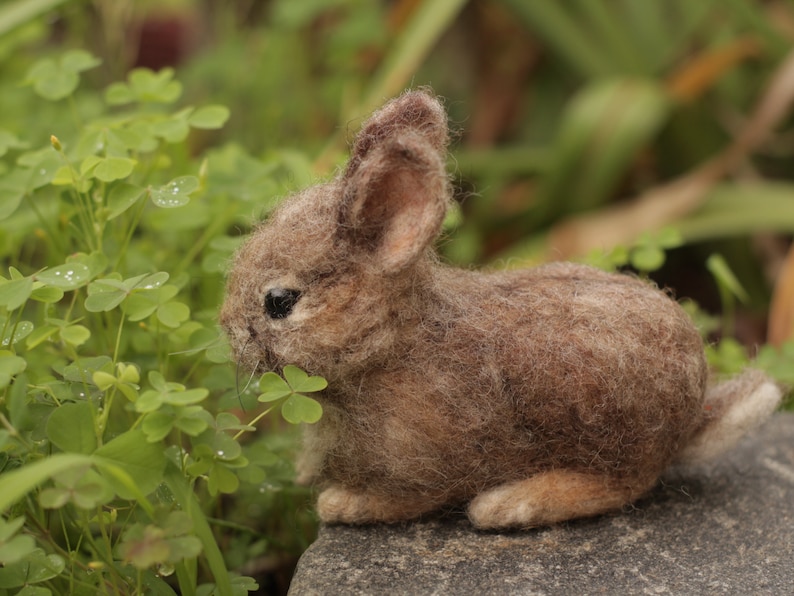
(528, 397)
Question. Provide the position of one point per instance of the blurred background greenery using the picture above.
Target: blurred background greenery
(649, 134)
(583, 124)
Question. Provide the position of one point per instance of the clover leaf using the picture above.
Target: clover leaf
(145, 86)
(57, 79)
(169, 541)
(14, 548)
(174, 194)
(296, 407)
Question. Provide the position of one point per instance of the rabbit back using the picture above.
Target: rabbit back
(505, 375)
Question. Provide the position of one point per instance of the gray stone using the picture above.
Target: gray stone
(725, 528)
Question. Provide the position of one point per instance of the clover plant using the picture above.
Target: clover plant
(115, 442)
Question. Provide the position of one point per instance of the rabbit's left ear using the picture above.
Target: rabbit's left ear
(394, 202)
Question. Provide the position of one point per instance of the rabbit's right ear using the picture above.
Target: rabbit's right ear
(394, 201)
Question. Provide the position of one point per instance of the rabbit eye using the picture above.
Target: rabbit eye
(280, 302)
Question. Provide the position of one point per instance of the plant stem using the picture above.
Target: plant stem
(14, 432)
(258, 418)
(209, 233)
(51, 235)
(133, 226)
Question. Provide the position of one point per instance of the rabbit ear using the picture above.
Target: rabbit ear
(394, 202)
(418, 111)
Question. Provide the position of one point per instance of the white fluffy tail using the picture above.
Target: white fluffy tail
(733, 408)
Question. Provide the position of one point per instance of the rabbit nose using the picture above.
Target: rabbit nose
(279, 302)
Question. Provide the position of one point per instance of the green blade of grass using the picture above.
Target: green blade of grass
(20, 12)
(734, 210)
(685, 18)
(411, 46)
(650, 28)
(602, 129)
(212, 552)
(17, 483)
(501, 162)
(611, 30)
(552, 23)
(752, 13)
(430, 20)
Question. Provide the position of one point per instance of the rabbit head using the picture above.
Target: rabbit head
(325, 283)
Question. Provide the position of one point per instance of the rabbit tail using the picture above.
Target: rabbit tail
(732, 409)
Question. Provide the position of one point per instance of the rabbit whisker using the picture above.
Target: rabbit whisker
(250, 378)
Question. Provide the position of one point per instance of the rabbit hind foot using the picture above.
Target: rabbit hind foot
(548, 498)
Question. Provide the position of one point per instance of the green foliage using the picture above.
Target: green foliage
(112, 367)
(646, 255)
(123, 196)
(296, 406)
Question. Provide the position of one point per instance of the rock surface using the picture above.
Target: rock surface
(725, 528)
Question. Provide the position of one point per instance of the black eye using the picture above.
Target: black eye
(279, 302)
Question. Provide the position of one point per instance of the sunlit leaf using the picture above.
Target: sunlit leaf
(79, 60)
(192, 420)
(103, 380)
(147, 282)
(142, 461)
(52, 82)
(68, 276)
(176, 193)
(9, 140)
(273, 387)
(174, 129)
(40, 335)
(647, 258)
(10, 366)
(9, 527)
(71, 428)
(47, 294)
(103, 295)
(719, 268)
(149, 401)
(221, 480)
(15, 293)
(34, 568)
(209, 117)
(122, 198)
(128, 373)
(140, 306)
(75, 335)
(299, 408)
(118, 94)
(158, 87)
(10, 197)
(96, 262)
(144, 546)
(173, 314)
(157, 425)
(187, 397)
(113, 168)
(83, 487)
(15, 548)
(301, 382)
(17, 333)
(56, 80)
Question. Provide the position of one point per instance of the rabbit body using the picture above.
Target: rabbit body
(528, 396)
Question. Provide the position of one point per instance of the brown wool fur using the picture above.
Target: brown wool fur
(529, 397)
